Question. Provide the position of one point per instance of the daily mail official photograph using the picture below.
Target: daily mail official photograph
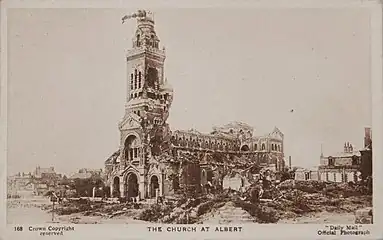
(193, 120)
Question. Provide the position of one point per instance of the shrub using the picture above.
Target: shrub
(249, 207)
(267, 215)
(205, 207)
(154, 213)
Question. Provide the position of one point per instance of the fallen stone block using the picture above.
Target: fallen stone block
(364, 216)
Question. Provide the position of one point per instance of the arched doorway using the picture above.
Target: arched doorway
(116, 187)
(154, 185)
(132, 185)
(245, 148)
(131, 147)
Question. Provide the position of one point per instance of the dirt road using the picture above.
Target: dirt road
(322, 218)
(24, 211)
(27, 210)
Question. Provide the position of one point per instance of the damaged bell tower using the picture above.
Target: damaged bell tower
(151, 160)
(144, 131)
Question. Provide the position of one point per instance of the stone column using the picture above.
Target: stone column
(94, 192)
(161, 184)
(111, 189)
(141, 186)
(122, 187)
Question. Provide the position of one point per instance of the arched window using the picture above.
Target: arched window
(245, 148)
(279, 148)
(255, 147)
(263, 146)
(138, 40)
(272, 147)
(330, 161)
(152, 77)
(135, 78)
(131, 81)
(354, 160)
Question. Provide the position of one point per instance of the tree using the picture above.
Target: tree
(84, 186)
(292, 172)
(285, 175)
(64, 181)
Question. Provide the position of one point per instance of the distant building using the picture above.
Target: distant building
(86, 173)
(366, 153)
(344, 166)
(19, 183)
(306, 174)
(44, 180)
(38, 182)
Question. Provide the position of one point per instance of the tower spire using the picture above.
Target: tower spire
(321, 150)
(145, 36)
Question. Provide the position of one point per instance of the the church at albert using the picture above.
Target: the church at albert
(155, 160)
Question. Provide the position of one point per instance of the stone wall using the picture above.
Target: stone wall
(233, 182)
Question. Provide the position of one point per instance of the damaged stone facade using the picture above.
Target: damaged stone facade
(344, 166)
(153, 160)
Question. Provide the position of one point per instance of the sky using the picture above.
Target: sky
(67, 79)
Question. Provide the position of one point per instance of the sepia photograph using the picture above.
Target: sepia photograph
(189, 116)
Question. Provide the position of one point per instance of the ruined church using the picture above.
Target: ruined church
(155, 161)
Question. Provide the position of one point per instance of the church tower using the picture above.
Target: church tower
(143, 129)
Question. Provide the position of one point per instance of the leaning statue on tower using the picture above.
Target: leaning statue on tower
(139, 14)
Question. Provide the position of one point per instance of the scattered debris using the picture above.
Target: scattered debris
(364, 216)
(256, 203)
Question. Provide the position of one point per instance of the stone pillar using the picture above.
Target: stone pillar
(111, 189)
(94, 192)
(122, 187)
(141, 186)
(161, 185)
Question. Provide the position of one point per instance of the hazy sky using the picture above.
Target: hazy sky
(67, 76)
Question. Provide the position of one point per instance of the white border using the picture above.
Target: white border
(252, 231)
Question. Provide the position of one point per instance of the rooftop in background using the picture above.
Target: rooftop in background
(82, 175)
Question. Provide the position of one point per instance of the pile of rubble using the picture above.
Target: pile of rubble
(289, 199)
(95, 208)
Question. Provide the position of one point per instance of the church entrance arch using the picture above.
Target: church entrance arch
(154, 185)
(116, 187)
(131, 184)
